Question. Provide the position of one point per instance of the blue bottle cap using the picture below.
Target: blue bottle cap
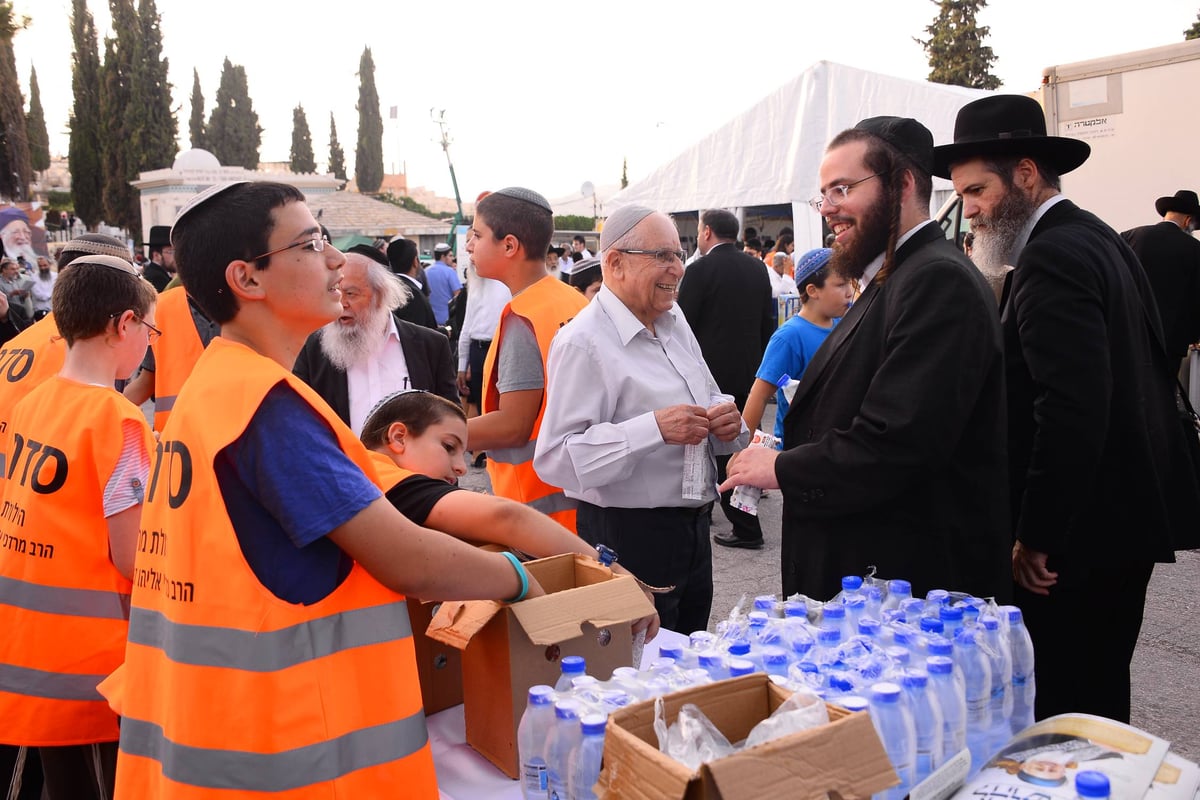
(939, 665)
(913, 608)
(853, 703)
(795, 608)
(567, 709)
(674, 651)
(829, 636)
(873, 592)
(834, 611)
(851, 583)
(931, 625)
(868, 626)
(901, 636)
(915, 678)
(1092, 783)
(898, 654)
(856, 602)
(901, 587)
(885, 692)
(541, 695)
(758, 619)
(739, 648)
(1012, 614)
(764, 602)
(951, 613)
(774, 655)
(965, 638)
(739, 667)
(710, 660)
(840, 683)
(573, 664)
(808, 666)
(939, 596)
(593, 724)
(989, 622)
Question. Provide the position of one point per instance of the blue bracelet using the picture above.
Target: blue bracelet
(516, 563)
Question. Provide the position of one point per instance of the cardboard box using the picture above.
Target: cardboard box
(439, 666)
(843, 759)
(508, 648)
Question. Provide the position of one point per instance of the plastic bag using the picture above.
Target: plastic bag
(803, 710)
(692, 739)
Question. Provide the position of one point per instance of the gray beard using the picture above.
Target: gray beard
(26, 250)
(348, 345)
(996, 236)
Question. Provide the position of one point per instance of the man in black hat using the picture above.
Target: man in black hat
(402, 255)
(161, 267)
(1094, 437)
(895, 437)
(1171, 256)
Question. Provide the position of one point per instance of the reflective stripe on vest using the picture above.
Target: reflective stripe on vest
(61, 600)
(553, 503)
(51, 685)
(513, 455)
(209, 768)
(269, 651)
(162, 404)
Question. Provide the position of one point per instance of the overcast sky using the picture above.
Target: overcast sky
(550, 95)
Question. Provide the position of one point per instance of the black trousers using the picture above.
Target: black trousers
(745, 526)
(1084, 634)
(74, 772)
(663, 547)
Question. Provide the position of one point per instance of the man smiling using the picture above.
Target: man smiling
(895, 435)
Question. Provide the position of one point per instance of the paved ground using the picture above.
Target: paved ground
(1166, 666)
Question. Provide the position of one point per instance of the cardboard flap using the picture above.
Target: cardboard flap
(557, 617)
(844, 757)
(635, 770)
(457, 621)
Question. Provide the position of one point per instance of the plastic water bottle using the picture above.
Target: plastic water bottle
(774, 660)
(826, 651)
(869, 628)
(740, 666)
(564, 737)
(931, 625)
(1091, 784)
(851, 587)
(894, 724)
(952, 620)
(626, 680)
(978, 676)
(757, 626)
(928, 721)
(1000, 661)
(935, 599)
(898, 591)
(913, 609)
(572, 668)
(853, 702)
(713, 662)
(585, 760)
(745, 498)
(767, 604)
(833, 615)
(1023, 684)
(874, 597)
(856, 606)
(531, 738)
(952, 701)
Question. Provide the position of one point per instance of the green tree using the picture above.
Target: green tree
(1194, 31)
(116, 103)
(368, 156)
(957, 54)
(83, 155)
(35, 127)
(233, 132)
(151, 141)
(196, 121)
(302, 152)
(624, 172)
(337, 157)
(15, 170)
(574, 222)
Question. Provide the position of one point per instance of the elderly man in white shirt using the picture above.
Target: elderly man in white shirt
(633, 419)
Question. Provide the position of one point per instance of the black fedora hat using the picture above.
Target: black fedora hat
(160, 236)
(1007, 125)
(1184, 202)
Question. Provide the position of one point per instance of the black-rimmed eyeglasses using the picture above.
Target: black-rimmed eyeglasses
(316, 243)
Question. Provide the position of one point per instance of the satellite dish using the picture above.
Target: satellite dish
(587, 189)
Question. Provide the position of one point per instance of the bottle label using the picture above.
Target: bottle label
(533, 775)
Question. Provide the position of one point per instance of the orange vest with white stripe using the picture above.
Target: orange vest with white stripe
(547, 305)
(63, 604)
(175, 353)
(228, 691)
(27, 360)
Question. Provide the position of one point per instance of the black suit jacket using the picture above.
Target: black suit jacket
(157, 275)
(1095, 447)
(426, 352)
(417, 310)
(895, 437)
(726, 298)
(1171, 258)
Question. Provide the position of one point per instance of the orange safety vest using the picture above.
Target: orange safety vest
(547, 305)
(390, 474)
(175, 353)
(27, 360)
(63, 604)
(228, 691)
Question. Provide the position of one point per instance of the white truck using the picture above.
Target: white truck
(1140, 112)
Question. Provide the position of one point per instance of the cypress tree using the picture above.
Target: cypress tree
(35, 127)
(233, 133)
(957, 54)
(1194, 31)
(15, 171)
(196, 123)
(153, 127)
(116, 110)
(302, 152)
(368, 156)
(83, 155)
(337, 158)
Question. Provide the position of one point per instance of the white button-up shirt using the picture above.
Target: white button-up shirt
(374, 379)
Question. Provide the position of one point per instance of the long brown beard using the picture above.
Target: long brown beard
(873, 227)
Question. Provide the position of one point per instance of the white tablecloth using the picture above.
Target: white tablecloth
(463, 774)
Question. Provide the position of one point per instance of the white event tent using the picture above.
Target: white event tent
(769, 155)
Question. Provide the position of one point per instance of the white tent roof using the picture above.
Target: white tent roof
(771, 152)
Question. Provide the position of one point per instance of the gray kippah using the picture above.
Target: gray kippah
(97, 244)
(527, 196)
(621, 222)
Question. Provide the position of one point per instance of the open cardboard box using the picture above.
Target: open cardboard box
(586, 611)
(843, 759)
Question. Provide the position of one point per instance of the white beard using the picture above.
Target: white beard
(348, 345)
(996, 236)
(26, 250)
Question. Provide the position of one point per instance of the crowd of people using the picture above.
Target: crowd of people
(190, 603)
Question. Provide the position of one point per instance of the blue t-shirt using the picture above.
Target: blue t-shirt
(788, 353)
(286, 484)
(443, 283)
